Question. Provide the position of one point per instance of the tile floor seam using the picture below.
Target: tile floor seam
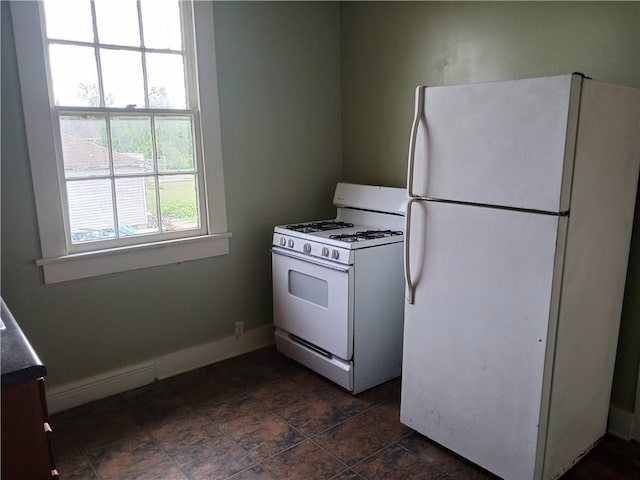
(445, 471)
(457, 463)
(250, 467)
(261, 462)
(371, 407)
(88, 454)
(161, 448)
(211, 422)
(346, 467)
(388, 445)
(279, 417)
(389, 441)
(352, 467)
(273, 474)
(343, 471)
(327, 429)
(331, 454)
(441, 476)
(297, 430)
(378, 431)
(281, 452)
(305, 437)
(92, 466)
(87, 460)
(171, 458)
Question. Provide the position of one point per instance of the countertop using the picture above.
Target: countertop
(19, 361)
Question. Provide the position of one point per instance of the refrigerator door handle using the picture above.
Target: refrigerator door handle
(419, 110)
(411, 286)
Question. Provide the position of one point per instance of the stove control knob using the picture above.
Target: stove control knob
(335, 254)
(283, 241)
(325, 252)
(290, 243)
(307, 248)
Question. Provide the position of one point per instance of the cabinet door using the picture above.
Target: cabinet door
(25, 445)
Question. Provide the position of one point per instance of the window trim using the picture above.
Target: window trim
(57, 263)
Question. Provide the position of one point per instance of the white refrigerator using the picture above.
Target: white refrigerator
(518, 225)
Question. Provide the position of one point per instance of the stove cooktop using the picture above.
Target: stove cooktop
(362, 235)
(321, 226)
(336, 233)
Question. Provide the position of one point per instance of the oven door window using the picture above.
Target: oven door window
(311, 289)
(314, 302)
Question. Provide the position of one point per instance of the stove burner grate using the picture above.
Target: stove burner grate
(365, 235)
(319, 226)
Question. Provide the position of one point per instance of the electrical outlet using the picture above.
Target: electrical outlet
(239, 329)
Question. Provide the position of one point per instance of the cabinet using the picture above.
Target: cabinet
(26, 448)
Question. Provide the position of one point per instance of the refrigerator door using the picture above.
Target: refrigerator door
(476, 335)
(503, 143)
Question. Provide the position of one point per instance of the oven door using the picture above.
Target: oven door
(313, 300)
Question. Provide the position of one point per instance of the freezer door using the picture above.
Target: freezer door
(476, 334)
(503, 143)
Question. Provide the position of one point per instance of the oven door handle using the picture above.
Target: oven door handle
(332, 266)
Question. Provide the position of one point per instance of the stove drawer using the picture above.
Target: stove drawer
(314, 301)
(336, 370)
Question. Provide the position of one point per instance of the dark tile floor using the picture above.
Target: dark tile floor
(260, 416)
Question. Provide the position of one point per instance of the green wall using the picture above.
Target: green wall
(310, 93)
(279, 86)
(388, 48)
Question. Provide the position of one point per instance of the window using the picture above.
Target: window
(115, 117)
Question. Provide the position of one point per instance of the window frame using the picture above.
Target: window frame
(59, 263)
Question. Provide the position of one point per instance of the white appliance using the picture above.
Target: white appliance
(521, 203)
(338, 288)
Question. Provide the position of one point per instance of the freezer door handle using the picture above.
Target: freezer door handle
(411, 286)
(417, 116)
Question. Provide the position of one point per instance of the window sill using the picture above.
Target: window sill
(114, 260)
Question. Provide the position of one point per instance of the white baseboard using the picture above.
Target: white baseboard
(195, 357)
(623, 424)
(101, 386)
(134, 376)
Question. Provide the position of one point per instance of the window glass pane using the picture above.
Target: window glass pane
(118, 22)
(90, 210)
(69, 19)
(178, 202)
(132, 144)
(174, 141)
(161, 24)
(84, 145)
(165, 77)
(74, 75)
(151, 198)
(136, 204)
(122, 77)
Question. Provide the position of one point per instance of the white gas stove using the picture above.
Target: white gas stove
(339, 288)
